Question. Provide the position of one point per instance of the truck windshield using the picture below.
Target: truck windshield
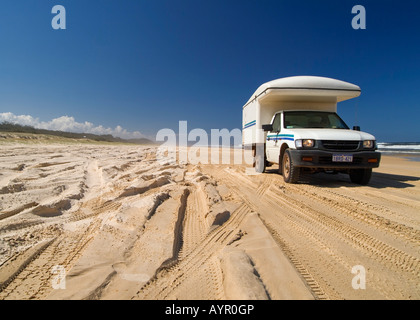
(313, 119)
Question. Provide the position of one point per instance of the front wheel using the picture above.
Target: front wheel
(290, 172)
(360, 176)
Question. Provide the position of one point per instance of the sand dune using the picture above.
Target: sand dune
(121, 225)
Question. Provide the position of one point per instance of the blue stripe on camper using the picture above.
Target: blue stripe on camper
(282, 135)
(289, 137)
(279, 139)
(250, 124)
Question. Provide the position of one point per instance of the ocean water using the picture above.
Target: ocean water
(409, 150)
(399, 147)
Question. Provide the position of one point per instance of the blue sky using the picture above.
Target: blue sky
(145, 65)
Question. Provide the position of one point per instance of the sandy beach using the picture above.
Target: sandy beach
(111, 222)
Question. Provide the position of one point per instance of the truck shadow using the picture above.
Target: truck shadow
(379, 180)
(384, 180)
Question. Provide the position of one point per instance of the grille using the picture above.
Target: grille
(340, 145)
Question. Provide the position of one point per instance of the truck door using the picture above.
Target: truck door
(272, 143)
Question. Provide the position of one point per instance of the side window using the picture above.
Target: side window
(276, 123)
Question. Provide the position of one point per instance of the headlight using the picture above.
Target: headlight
(305, 143)
(369, 144)
(308, 143)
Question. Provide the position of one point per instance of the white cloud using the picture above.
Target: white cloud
(69, 124)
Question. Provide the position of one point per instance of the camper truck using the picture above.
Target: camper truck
(293, 122)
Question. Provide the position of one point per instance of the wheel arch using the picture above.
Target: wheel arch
(283, 148)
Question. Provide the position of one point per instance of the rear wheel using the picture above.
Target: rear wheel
(290, 172)
(360, 176)
(260, 164)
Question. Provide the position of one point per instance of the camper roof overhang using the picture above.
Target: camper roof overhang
(305, 88)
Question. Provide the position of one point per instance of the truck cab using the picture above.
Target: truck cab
(293, 122)
(319, 141)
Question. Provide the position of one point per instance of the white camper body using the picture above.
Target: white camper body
(312, 99)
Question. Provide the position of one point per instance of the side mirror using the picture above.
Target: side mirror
(356, 128)
(267, 127)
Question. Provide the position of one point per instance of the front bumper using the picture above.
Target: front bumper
(324, 159)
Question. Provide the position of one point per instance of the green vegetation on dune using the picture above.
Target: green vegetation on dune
(10, 132)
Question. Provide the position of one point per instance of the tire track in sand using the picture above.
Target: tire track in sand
(301, 230)
(195, 228)
(189, 270)
(287, 247)
(34, 279)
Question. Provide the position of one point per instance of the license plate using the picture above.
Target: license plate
(342, 158)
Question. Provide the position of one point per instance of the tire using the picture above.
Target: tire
(360, 176)
(290, 172)
(260, 164)
(280, 170)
